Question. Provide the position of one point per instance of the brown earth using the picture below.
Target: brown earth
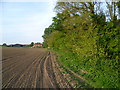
(31, 68)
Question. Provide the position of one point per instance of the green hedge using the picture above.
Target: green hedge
(94, 50)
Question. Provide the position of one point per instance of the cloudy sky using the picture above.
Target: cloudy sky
(25, 22)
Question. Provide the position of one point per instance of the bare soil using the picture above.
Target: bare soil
(31, 68)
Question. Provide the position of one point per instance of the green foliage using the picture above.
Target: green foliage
(86, 44)
(32, 43)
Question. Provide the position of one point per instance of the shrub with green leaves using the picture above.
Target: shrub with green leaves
(83, 42)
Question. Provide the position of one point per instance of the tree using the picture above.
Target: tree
(118, 6)
(113, 9)
(81, 34)
(32, 43)
(4, 44)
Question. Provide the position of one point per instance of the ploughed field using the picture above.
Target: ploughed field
(30, 68)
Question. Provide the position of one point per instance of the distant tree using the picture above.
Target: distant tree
(32, 43)
(4, 44)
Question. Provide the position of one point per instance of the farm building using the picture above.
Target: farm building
(37, 45)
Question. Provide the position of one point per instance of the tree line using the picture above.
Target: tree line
(85, 35)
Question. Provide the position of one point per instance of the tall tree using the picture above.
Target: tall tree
(112, 9)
